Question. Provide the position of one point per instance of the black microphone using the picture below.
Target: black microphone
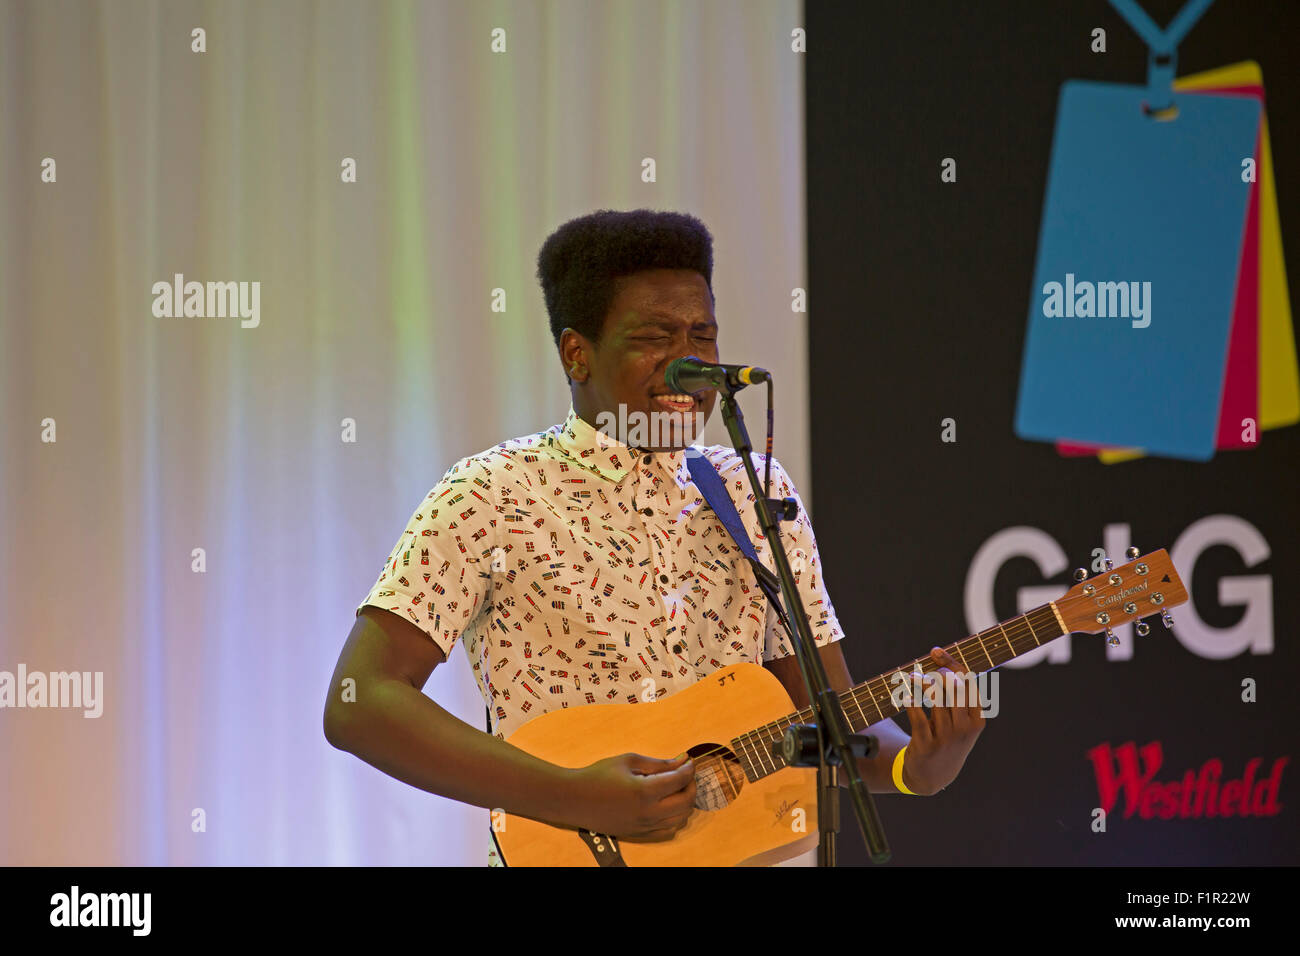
(689, 374)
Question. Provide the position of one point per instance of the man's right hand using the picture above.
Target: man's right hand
(636, 798)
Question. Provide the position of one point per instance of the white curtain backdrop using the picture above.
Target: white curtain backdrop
(194, 506)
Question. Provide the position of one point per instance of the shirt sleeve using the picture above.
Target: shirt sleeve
(801, 548)
(439, 574)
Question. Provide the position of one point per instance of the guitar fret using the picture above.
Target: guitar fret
(1052, 616)
(1032, 635)
(880, 715)
(749, 756)
(1045, 624)
(988, 644)
(755, 747)
(1035, 634)
(755, 742)
(1057, 619)
(781, 727)
(738, 747)
(861, 713)
(764, 754)
(756, 752)
(1003, 632)
(990, 650)
(885, 695)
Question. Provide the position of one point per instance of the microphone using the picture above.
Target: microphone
(690, 375)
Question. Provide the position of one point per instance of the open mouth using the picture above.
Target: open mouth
(677, 402)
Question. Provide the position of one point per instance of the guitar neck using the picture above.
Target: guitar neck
(873, 700)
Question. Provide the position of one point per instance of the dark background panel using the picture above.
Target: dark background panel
(918, 295)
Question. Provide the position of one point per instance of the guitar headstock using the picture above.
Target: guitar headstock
(1146, 585)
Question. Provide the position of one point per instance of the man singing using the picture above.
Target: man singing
(584, 568)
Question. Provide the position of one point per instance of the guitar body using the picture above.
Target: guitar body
(754, 824)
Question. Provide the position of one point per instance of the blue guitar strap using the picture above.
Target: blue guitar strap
(709, 482)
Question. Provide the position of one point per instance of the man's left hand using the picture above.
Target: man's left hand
(941, 741)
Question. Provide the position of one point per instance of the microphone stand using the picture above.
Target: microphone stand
(827, 713)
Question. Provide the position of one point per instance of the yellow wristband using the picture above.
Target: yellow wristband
(898, 772)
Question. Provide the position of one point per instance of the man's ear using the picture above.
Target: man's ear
(574, 356)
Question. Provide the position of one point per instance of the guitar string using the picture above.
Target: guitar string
(754, 740)
(879, 688)
(879, 683)
(754, 745)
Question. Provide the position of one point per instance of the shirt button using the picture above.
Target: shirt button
(663, 578)
(677, 648)
(647, 511)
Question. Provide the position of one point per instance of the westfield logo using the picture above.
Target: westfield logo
(1130, 772)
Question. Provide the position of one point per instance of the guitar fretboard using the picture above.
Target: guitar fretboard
(873, 700)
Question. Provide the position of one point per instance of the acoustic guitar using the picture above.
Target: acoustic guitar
(752, 809)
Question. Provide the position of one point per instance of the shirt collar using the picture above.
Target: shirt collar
(607, 455)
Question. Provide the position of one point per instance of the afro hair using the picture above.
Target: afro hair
(580, 262)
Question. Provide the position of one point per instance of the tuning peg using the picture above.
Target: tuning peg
(1143, 628)
(1167, 620)
(1080, 574)
(1132, 553)
(1110, 565)
(1111, 639)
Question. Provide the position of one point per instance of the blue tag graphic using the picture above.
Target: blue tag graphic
(1142, 227)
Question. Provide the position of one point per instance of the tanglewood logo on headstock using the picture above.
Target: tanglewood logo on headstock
(1116, 598)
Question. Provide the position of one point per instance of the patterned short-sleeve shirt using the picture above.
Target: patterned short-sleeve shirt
(576, 570)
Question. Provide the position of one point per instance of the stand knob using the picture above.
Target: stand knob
(782, 509)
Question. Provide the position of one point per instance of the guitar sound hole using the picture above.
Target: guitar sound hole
(718, 776)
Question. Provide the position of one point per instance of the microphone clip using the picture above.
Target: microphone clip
(781, 509)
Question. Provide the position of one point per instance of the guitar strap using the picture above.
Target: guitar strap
(709, 482)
